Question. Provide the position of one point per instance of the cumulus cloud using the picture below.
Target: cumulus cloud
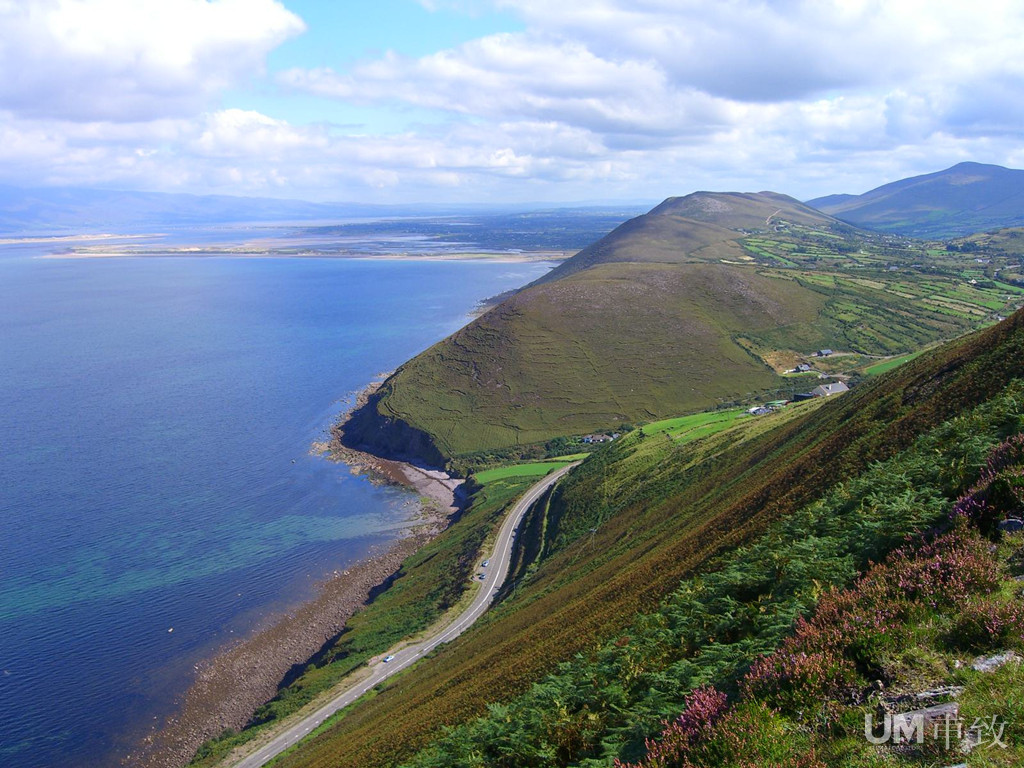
(130, 60)
(609, 98)
(245, 152)
(663, 72)
(509, 76)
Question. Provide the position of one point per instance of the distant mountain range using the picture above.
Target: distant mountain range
(962, 200)
(79, 210)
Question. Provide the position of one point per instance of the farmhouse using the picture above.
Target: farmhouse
(824, 352)
(825, 390)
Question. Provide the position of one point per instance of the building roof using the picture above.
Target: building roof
(829, 389)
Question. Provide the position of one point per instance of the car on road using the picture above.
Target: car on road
(485, 563)
(389, 657)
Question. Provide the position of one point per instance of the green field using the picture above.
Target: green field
(683, 429)
(888, 365)
(534, 469)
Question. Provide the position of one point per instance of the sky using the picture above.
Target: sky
(505, 101)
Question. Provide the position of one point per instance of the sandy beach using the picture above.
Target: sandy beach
(72, 238)
(229, 687)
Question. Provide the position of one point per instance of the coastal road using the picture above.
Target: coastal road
(495, 575)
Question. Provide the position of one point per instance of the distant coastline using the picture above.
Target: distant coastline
(206, 253)
(241, 677)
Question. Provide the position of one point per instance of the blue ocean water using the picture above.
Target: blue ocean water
(155, 422)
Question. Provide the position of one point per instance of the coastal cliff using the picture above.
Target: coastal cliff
(370, 430)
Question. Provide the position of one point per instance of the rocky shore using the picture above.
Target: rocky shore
(432, 484)
(232, 685)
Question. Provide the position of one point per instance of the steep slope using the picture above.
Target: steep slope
(967, 198)
(616, 343)
(675, 311)
(643, 514)
(702, 227)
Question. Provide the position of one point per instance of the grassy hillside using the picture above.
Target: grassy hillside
(967, 198)
(695, 305)
(613, 344)
(916, 631)
(648, 514)
(702, 227)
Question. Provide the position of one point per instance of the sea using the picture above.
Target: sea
(158, 496)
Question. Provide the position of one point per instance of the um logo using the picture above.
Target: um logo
(896, 729)
(942, 724)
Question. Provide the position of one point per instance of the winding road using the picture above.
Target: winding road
(495, 574)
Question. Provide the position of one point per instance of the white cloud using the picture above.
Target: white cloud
(607, 98)
(129, 60)
(244, 152)
(823, 76)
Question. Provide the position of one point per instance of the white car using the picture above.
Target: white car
(389, 657)
(485, 563)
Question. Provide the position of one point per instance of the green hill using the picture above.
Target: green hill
(702, 227)
(702, 302)
(662, 565)
(967, 198)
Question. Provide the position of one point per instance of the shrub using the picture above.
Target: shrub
(829, 657)
(710, 735)
(986, 623)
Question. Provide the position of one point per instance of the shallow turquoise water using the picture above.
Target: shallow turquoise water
(154, 471)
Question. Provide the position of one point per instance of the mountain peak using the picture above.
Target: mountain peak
(738, 210)
(965, 198)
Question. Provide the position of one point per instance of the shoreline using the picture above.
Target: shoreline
(433, 484)
(241, 676)
(490, 256)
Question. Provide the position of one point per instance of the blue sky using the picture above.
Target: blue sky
(505, 100)
(342, 34)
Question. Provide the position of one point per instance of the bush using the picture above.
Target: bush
(987, 623)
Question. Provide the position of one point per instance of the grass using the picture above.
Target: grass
(683, 424)
(806, 697)
(888, 365)
(535, 469)
(651, 322)
(642, 514)
(686, 429)
(618, 343)
(714, 625)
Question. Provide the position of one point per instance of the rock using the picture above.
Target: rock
(991, 663)
(891, 703)
(1011, 525)
(952, 691)
(906, 723)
